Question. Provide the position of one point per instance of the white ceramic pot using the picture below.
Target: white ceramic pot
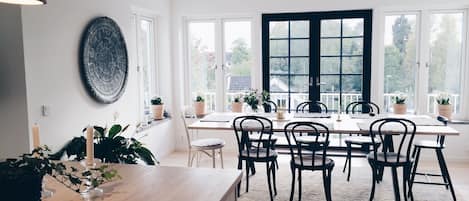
(157, 111)
(199, 108)
(400, 108)
(237, 107)
(445, 110)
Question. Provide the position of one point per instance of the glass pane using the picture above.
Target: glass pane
(299, 29)
(330, 47)
(352, 65)
(330, 28)
(299, 47)
(400, 69)
(352, 27)
(276, 97)
(445, 58)
(352, 84)
(278, 29)
(279, 83)
(279, 65)
(330, 65)
(299, 65)
(330, 83)
(238, 59)
(278, 47)
(299, 83)
(202, 61)
(352, 46)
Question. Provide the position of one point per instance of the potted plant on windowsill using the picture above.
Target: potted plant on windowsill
(237, 105)
(157, 108)
(444, 106)
(199, 106)
(399, 104)
(252, 99)
(265, 99)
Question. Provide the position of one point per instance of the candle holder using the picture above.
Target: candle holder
(90, 192)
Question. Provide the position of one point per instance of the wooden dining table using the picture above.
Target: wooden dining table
(159, 183)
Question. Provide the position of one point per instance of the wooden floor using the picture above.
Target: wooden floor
(459, 171)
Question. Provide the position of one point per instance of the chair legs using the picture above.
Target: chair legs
(445, 172)
(395, 183)
(247, 176)
(221, 158)
(273, 170)
(348, 161)
(326, 177)
(268, 169)
(374, 180)
(293, 178)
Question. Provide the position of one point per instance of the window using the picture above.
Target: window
(423, 62)
(146, 63)
(320, 56)
(220, 59)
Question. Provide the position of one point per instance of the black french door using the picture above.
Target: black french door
(318, 56)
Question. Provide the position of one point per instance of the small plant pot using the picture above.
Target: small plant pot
(400, 108)
(157, 111)
(445, 110)
(267, 108)
(237, 107)
(199, 108)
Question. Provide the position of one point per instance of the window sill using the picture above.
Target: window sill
(152, 124)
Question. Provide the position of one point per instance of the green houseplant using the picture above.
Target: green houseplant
(399, 105)
(109, 146)
(265, 101)
(444, 105)
(252, 99)
(199, 105)
(237, 105)
(157, 108)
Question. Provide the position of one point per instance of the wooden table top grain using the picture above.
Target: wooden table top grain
(159, 183)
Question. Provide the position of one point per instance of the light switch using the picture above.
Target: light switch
(45, 110)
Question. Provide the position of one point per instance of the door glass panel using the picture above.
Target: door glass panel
(353, 27)
(330, 65)
(279, 83)
(299, 65)
(279, 65)
(400, 70)
(299, 29)
(299, 47)
(279, 48)
(352, 46)
(352, 65)
(279, 29)
(299, 84)
(238, 59)
(330, 47)
(330, 28)
(202, 61)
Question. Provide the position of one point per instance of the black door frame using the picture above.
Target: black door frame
(314, 47)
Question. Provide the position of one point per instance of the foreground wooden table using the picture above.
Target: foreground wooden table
(146, 183)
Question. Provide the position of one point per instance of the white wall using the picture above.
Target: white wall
(13, 118)
(183, 9)
(51, 35)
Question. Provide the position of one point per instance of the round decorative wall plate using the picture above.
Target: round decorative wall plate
(103, 60)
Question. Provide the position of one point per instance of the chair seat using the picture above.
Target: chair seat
(428, 144)
(262, 154)
(211, 143)
(361, 140)
(391, 159)
(308, 162)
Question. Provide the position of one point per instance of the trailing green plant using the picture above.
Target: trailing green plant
(109, 146)
(265, 96)
(199, 99)
(156, 101)
(399, 99)
(443, 99)
(252, 99)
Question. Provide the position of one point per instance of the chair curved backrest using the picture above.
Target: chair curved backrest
(317, 142)
(272, 104)
(184, 114)
(366, 107)
(393, 126)
(245, 125)
(312, 106)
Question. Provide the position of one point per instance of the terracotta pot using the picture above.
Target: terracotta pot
(157, 111)
(199, 108)
(237, 107)
(400, 108)
(445, 110)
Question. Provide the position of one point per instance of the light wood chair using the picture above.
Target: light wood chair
(207, 146)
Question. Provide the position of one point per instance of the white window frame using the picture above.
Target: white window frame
(219, 52)
(422, 34)
(138, 15)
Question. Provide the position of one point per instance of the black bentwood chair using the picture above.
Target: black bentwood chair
(384, 130)
(309, 153)
(359, 107)
(312, 106)
(253, 150)
(438, 145)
